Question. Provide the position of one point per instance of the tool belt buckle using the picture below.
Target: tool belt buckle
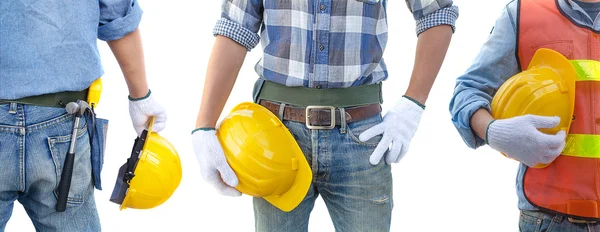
(579, 221)
(313, 127)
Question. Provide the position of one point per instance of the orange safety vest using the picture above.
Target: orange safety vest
(571, 184)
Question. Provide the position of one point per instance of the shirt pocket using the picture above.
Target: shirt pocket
(564, 47)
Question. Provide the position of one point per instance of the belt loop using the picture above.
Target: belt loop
(281, 109)
(257, 89)
(380, 93)
(12, 108)
(342, 121)
(557, 218)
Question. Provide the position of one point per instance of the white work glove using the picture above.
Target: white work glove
(142, 109)
(520, 139)
(398, 128)
(213, 165)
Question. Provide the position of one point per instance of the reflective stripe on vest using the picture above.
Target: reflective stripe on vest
(585, 146)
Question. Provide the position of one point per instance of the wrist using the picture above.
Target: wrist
(487, 130)
(206, 124)
(203, 129)
(139, 95)
(417, 102)
(419, 96)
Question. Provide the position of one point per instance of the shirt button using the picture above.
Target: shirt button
(321, 47)
(323, 7)
(319, 86)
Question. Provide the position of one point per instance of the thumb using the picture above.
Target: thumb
(371, 132)
(228, 175)
(160, 121)
(544, 121)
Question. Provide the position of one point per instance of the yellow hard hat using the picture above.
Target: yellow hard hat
(265, 157)
(546, 88)
(151, 174)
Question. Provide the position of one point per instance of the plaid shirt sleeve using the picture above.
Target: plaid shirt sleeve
(241, 21)
(432, 13)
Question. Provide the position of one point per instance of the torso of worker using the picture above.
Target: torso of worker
(496, 62)
(49, 46)
(322, 44)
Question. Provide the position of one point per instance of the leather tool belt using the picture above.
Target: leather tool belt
(323, 117)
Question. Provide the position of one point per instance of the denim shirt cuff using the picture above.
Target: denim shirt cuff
(237, 33)
(463, 124)
(444, 16)
(118, 28)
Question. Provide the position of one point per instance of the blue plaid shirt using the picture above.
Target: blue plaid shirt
(325, 43)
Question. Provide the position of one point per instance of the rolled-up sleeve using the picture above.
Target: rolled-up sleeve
(241, 21)
(432, 13)
(118, 18)
(495, 63)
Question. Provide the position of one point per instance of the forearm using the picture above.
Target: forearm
(224, 65)
(431, 50)
(480, 121)
(130, 55)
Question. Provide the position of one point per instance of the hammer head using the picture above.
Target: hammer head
(83, 106)
(72, 108)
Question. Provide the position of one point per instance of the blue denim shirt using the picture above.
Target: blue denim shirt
(49, 46)
(496, 63)
(323, 43)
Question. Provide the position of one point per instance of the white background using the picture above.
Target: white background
(440, 185)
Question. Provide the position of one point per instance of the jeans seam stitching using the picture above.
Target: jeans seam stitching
(21, 122)
(11, 129)
(46, 124)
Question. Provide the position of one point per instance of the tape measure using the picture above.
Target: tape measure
(94, 93)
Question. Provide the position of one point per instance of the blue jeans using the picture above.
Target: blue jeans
(536, 221)
(33, 143)
(358, 195)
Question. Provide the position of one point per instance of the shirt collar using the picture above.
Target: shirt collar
(578, 14)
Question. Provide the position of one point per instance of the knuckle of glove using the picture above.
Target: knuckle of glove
(528, 118)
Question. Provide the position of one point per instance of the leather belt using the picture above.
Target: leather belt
(322, 117)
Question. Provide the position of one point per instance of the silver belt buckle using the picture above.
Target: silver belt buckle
(330, 108)
(579, 221)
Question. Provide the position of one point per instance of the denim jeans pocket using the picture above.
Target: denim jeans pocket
(98, 147)
(81, 181)
(534, 221)
(356, 128)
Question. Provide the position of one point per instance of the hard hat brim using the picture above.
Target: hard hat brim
(121, 187)
(297, 192)
(119, 194)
